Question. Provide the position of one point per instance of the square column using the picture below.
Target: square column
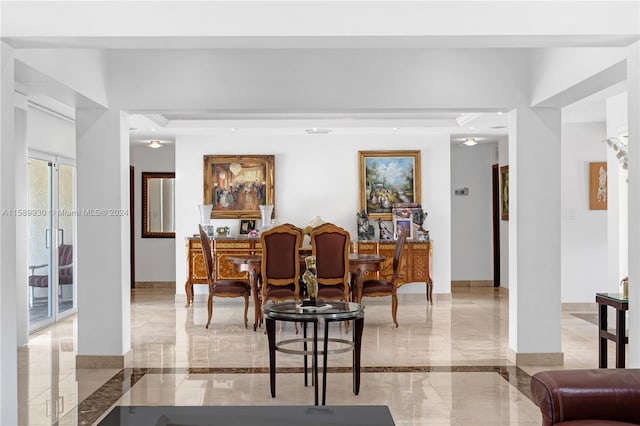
(633, 126)
(8, 258)
(104, 322)
(534, 237)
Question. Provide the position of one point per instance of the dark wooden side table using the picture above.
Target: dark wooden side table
(621, 305)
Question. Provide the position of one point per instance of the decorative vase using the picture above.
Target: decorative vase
(205, 213)
(205, 218)
(265, 216)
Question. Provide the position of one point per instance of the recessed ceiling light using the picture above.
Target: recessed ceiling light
(316, 131)
(470, 142)
(154, 144)
(153, 129)
(395, 129)
(500, 113)
(233, 129)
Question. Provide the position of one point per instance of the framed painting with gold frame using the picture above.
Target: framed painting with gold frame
(237, 184)
(504, 192)
(386, 178)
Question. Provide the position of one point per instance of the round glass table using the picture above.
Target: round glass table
(304, 312)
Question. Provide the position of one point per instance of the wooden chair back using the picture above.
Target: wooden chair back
(330, 245)
(281, 260)
(206, 252)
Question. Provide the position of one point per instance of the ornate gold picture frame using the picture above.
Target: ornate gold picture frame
(386, 178)
(504, 192)
(237, 184)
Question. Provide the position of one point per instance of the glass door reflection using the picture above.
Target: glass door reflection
(51, 222)
(65, 233)
(39, 184)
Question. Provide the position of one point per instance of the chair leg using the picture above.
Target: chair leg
(187, 288)
(246, 309)
(209, 309)
(394, 307)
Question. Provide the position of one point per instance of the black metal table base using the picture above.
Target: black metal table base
(355, 346)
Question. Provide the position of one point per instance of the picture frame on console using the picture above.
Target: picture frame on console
(386, 178)
(247, 225)
(403, 224)
(236, 185)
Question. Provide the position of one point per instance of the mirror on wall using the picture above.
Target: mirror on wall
(158, 206)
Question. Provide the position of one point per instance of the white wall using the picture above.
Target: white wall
(318, 79)
(618, 202)
(68, 74)
(584, 231)
(318, 179)
(557, 72)
(471, 215)
(51, 134)
(155, 257)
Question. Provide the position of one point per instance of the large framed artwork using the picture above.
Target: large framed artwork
(386, 178)
(237, 184)
(598, 186)
(504, 192)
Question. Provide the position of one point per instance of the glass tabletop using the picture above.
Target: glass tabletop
(618, 297)
(322, 309)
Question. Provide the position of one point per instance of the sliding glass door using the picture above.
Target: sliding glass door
(51, 222)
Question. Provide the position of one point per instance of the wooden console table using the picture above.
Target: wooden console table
(415, 265)
(222, 249)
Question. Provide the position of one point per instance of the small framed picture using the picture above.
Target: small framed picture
(247, 225)
(403, 224)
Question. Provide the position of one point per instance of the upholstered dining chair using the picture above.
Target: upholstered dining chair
(222, 288)
(65, 271)
(382, 287)
(280, 267)
(330, 245)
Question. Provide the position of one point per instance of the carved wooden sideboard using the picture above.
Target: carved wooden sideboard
(222, 248)
(415, 265)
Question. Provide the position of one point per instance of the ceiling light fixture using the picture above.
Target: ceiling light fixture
(470, 142)
(317, 131)
(154, 144)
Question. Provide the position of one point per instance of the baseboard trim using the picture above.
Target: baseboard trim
(472, 283)
(104, 361)
(580, 307)
(156, 284)
(542, 359)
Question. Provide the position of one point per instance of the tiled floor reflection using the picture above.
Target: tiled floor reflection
(445, 365)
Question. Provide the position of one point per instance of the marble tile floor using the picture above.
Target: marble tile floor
(445, 365)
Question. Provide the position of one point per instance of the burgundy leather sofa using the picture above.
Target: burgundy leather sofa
(603, 397)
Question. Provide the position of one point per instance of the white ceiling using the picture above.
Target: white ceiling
(318, 25)
(485, 126)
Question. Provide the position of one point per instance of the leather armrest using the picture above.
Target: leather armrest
(598, 394)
